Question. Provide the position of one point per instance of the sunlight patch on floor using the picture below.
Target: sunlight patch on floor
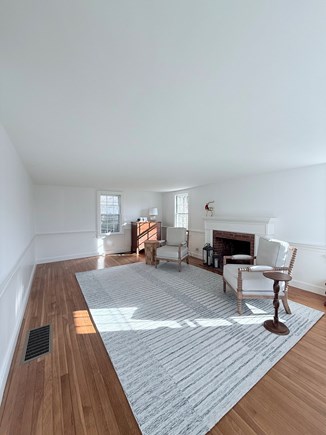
(121, 319)
(254, 309)
(213, 322)
(124, 319)
(83, 322)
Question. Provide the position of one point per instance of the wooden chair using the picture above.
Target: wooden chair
(176, 247)
(248, 281)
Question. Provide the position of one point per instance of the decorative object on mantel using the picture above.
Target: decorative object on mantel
(209, 209)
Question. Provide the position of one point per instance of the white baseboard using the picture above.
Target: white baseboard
(66, 257)
(196, 255)
(76, 256)
(308, 287)
(7, 360)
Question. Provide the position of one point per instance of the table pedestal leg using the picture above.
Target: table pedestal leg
(275, 325)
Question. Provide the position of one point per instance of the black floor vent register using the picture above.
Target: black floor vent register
(38, 343)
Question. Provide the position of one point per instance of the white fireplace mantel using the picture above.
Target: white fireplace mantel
(259, 226)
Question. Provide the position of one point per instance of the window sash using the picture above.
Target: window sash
(109, 213)
(181, 210)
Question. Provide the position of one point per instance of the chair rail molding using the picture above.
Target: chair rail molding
(259, 226)
(14, 293)
(309, 270)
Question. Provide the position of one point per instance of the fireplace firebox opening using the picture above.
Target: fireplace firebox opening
(231, 243)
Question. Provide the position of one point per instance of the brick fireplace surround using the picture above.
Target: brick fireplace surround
(230, 243)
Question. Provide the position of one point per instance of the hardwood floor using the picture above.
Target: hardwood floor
(74, 389)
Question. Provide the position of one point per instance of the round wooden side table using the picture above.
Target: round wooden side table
(275, 325)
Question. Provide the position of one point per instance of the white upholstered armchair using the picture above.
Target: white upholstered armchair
(176, 246)
(249, 282)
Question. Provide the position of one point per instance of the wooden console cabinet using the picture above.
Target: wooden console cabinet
(142, 231)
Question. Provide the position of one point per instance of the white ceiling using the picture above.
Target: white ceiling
(163, 95)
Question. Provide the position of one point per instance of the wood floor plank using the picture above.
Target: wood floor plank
(82, 403)
(290, 386)
(47, 414)
(75, 384)
(67, 407)
(101, 423)
(102, 392)
(16, 401)
(38, 398)
(288, 403)
(237, 425)
(75, 390)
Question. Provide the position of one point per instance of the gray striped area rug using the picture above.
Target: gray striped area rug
(183, 355)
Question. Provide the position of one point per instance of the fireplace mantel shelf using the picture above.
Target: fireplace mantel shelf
(247, 219)
(259, 226)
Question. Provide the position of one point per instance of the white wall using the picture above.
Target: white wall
(296, 197)
(16, 249)
(66, 222)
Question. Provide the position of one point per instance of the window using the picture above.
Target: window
(108, 213)
(181, 210)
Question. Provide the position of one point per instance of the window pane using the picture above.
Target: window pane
(182, 203)
(181, 210)
(182, 220)
(110, 213)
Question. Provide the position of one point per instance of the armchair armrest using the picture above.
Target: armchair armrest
(255, 269)
(226, 258)
(262, 268)
(180, 246)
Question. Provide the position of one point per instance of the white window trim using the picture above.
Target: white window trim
(98, 213)
(175, 207)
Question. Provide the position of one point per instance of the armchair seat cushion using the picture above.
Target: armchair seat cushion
(242, 257)
(171, 252)
(252, 282)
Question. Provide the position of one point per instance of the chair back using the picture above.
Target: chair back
(291, 259)
(272, 252)
(176, 235)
